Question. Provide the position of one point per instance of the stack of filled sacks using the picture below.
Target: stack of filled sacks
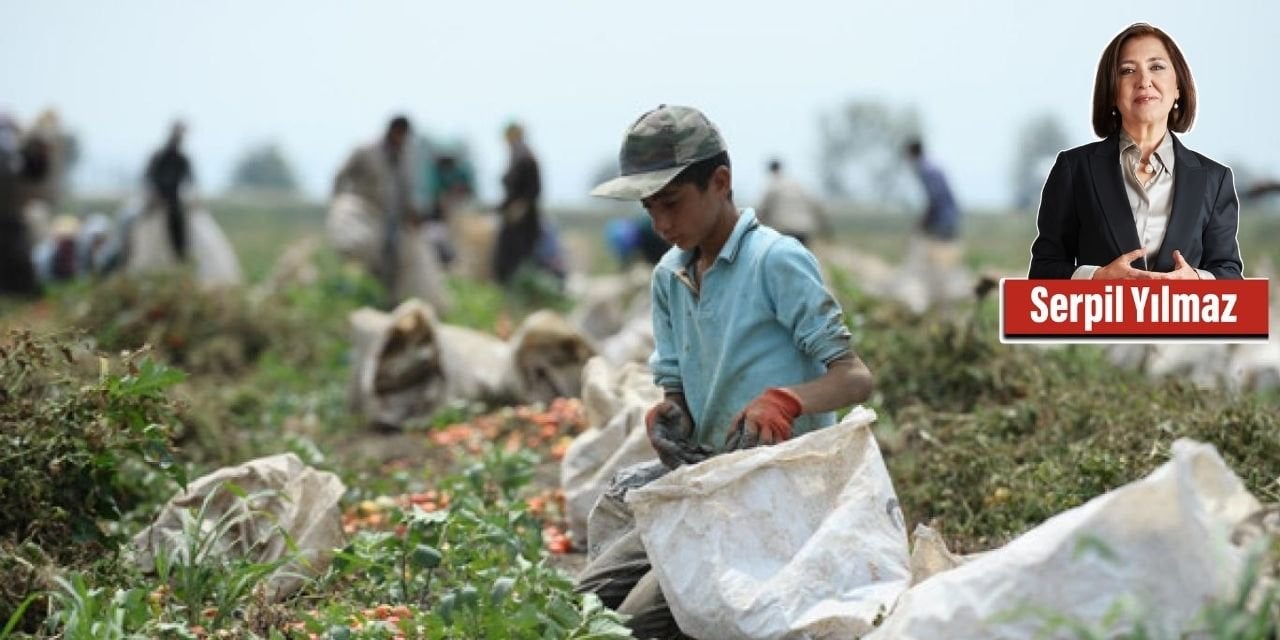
(407, 363)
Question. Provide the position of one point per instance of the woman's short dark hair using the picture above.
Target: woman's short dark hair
(699, 173)
(1106, 120)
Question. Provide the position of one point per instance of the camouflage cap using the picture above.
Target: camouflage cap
(657, 147)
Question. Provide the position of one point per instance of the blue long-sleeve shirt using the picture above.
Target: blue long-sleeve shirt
(761, 318)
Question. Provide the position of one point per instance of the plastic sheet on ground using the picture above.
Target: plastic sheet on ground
(300, 501)
(1159, 546)
(615, 401)
(799, 540)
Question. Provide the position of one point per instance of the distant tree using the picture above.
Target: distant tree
(264, 168)
(1039, 142)
(861, 152)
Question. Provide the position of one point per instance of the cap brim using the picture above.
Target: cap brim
(636, 186)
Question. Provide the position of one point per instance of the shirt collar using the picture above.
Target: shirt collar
(729, 252)
(746, 222)
(1163, 154)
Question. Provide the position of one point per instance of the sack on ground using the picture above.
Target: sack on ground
(803, 539)
(407, 364)
(284, 498)
(211, 252)
(1155, 550)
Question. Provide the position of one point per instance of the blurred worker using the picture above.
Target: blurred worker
(789, 208)
(452, 185)
(376, 217)
(168, 174)
(521, 223)
(17, 274)
(941, 219)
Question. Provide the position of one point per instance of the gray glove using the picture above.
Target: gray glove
(670, 432)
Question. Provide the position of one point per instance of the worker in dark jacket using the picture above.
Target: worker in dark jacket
(168, 172)
(521, 223)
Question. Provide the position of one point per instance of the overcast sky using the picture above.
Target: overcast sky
(319, 77)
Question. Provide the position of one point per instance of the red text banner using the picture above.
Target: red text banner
(1134, 310)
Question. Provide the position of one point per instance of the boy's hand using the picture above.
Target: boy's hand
(766, 420)
(670, 432)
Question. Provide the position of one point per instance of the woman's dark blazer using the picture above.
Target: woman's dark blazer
(1085, 216)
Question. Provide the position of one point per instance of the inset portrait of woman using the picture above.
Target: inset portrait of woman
(1138, 204)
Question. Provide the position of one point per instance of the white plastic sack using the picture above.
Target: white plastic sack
(547, 358)
(1160, 544)
(211, 252)
(474, 234)
(614, 400)
(931, 272)
(1256, 367)
(397, 370)
(1240, 367)
(799, 540)
(607, 389)
(303, 504)
(606, 303)
(295, 268)
(930, 555)
(421, 272)
(633, 343)
(355, 230)
(407, 364)
(1204, 365)
(595, 456)
(215, 258)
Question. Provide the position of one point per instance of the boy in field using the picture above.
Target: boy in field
(750, 347)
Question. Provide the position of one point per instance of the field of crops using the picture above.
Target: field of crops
(114, 394)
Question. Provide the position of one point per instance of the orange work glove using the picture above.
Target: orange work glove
(670, 432)
(766, 420)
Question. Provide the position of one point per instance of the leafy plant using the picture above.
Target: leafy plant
(85, 613)
(208, 587)
(86, 441)
(476, 569)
